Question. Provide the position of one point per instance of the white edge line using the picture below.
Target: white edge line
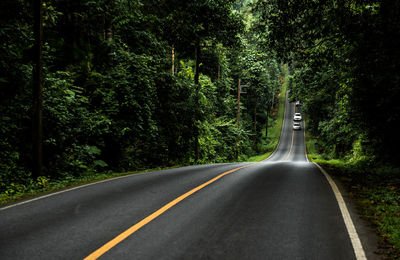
(67, 190)
(305, 142)
(355, 240)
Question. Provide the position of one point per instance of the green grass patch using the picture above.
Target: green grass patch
(44, 185)
(375, 190)
(259, 158)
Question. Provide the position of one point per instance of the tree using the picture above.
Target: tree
(38, 91)
(343, 53)
(110, 101)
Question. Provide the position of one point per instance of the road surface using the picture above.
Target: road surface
(281, 208)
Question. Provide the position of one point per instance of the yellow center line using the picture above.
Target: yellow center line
(291, 146)
(106, 247)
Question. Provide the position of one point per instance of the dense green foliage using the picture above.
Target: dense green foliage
(344, 59)
(111, 100)
(135, 84)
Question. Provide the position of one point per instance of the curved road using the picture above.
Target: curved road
(281, 208)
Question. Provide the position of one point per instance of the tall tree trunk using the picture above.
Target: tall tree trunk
(255, 125)
(219, 65)
(88, 52)
(269, 110)
(197, 72)
(37, 133)
(238, 120)
(108, 28)
(197, 115)
(238, 106)
(108, 31)
(255, 117)
(173, 59)
(266, 125)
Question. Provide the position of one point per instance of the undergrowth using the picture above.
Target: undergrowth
(270, 142)
(44, 185)
(375, 189)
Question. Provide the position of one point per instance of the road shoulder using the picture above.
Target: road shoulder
(366, 232)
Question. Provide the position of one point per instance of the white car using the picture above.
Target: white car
(297, 117)
(296, 126)
(298, 103)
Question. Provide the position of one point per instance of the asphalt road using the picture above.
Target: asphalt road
(282, 208)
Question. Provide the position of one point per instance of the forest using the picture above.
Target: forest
(131, 84)
(99, 87)
(344, 62)
(344, 56)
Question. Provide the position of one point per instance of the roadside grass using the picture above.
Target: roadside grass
(259, 158)
(269, 143)
(44, 185)
(375, 190)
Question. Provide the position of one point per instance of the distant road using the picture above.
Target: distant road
(281, 208)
